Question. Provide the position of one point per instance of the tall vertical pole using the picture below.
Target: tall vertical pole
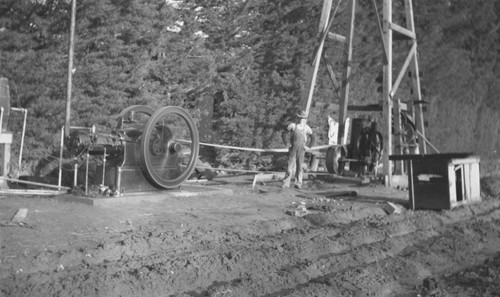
(70, 68)
(347, 78)
(313, 71)
(325, 16)
(387, 86)
(59, 181)
(416, 77)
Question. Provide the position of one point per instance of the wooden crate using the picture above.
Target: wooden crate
(442, 181)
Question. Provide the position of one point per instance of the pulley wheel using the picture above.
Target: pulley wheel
(169, 147)
(333, 154)
(409, 137)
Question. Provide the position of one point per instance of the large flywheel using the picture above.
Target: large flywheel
(169, 147)
(135, 115)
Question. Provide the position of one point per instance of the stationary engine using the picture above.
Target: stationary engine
(146, 150)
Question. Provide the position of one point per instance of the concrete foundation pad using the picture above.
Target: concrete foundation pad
(153, 196)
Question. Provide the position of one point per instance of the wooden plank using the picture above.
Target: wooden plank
(387, 85)
(335, 82)
(398, 149)
(313, 70)
(38, 192)
(336, 37)
(6, 137)
(404, 31)
(33, 183)
(20, 215)
(452, 189)
(325, 15)
(475, 182)
(381, 31)
(427, 141)
(266, 178)
(467, 182)
(468, 160)
(416, 77)
(411, 185)
(333, 107)
(344, 102)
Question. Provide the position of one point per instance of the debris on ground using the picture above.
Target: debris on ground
(18, 220)
(20, 215)
(431, 288)
(391, 208)
(17, 224)
(255, 242)
(301, 211)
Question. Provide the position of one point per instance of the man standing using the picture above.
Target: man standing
(370, 148)
(298, 145)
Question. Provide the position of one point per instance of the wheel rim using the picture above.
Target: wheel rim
(408, 135)
(333, 154)
(169, 147)
(134, 113)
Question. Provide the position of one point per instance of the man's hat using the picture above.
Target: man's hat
(302, 114)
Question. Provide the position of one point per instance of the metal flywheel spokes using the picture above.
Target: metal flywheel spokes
(169, 147)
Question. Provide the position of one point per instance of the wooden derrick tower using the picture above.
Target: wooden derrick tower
(391, 107)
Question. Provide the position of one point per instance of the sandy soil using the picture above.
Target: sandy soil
(251, 243)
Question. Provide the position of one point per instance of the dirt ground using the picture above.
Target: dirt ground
(251, 242)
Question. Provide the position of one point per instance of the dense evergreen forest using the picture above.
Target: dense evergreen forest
(249, 57)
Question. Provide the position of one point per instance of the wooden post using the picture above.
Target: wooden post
(416, 77)
(70, 67)
(325, 16)
(387, 86)
(398, 143)
(313, 71)
(411, 186)
(347, 77)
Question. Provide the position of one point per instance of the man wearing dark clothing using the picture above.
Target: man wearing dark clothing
(370, 148)
(299, 134)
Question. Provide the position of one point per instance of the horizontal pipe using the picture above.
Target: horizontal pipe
(33, 183)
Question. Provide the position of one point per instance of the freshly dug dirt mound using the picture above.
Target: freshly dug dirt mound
(252, 243)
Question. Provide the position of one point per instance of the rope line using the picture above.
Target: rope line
(256, 171)
(283, 150)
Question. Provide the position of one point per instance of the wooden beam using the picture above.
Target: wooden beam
(404, 31)
(402, 72)
(33, 183)
(336, 37)
(332, 107)
(398, 141)
(427, 141)
(20, 215)
(379, 23)
(347, 77)
(323, 30)
(335, 82)
(329, 107)
(325, 16)
(69, 83)
(416, 78)
(387, 85)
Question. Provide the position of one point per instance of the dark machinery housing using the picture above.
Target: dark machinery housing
(337, 157)
(146, 150)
